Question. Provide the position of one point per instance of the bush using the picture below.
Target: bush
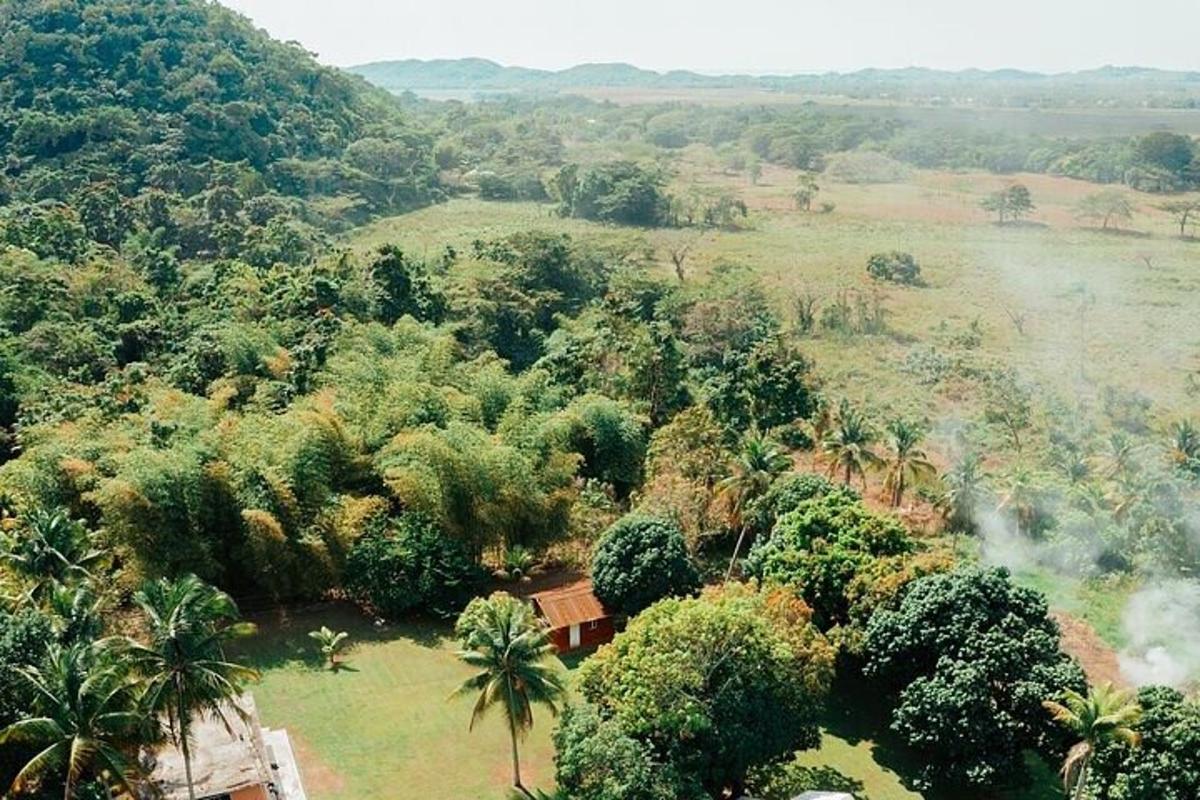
(409, 567)
(640, 560)
(895, 266)
(620, 191)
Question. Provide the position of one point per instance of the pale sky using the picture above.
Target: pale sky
(751, 36)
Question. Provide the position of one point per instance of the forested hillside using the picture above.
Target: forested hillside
(134, 114)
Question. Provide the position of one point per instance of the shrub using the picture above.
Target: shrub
(894, 266)
(642, 559)
(410, 566)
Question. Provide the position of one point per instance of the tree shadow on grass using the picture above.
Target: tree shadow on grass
(282, 638)
(858, 711)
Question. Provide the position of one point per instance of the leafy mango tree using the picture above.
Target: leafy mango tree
(970, 657)
(692, 680)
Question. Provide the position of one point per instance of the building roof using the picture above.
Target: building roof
(227, 754)
(824, 796)
(570, 605)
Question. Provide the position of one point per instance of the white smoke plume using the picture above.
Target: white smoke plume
(1162, 623)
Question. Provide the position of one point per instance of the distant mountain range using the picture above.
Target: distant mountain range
(1162, 87)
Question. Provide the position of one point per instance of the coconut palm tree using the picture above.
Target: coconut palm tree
(184, 665)
(49, 547)
(85, 721)
(964, 490)
(330, 643)
(1119, 457)
(758, 463)
(1021, 497)
(848, 445)
(1103, 715)
(1184, 448)
(907, 465)
(511, 650)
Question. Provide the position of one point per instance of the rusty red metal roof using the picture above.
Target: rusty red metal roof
(570, 605)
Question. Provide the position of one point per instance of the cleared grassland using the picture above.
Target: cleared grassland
(1139, 328)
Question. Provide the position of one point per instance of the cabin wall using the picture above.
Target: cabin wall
(589, 636)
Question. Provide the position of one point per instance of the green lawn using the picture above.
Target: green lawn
(383, 727)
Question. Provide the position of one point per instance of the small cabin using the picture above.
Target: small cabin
(576, 617)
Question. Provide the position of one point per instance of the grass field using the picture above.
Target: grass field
(1142, 285)
(383, 727)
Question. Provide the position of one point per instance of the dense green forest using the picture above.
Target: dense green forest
(208, 391)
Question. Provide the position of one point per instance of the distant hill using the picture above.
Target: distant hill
(184, 95)
(1109, 85)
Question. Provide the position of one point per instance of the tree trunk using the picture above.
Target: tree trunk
(1081, 780)
(737, 547)
(516, 758)
(512, 731)
(847, 480)
(183, 744)
(68, 789)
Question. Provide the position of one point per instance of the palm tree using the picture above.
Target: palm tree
(1185, 446)
(85, 719)
(330, 643)
(1103, 715)
(964, 490)
(1120, 455)
(758, 463)
(50, 547)
(76, 610)
(184, 664)
(848, 444)
(908, 464)
(509, 647)
(1021, 498)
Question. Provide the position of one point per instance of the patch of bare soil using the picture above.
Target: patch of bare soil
(320, 779)
(1097, 658)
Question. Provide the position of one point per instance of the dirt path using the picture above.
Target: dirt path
(1098, 659)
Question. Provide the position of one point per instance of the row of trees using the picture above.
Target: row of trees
(79, 701)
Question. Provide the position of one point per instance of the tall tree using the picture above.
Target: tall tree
(184, 665)
(86, 720)
(510, 649)
(758, 463)
(49, 548)
(964, 489)
(907, 463)
(1103, 715)
(848, 444)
